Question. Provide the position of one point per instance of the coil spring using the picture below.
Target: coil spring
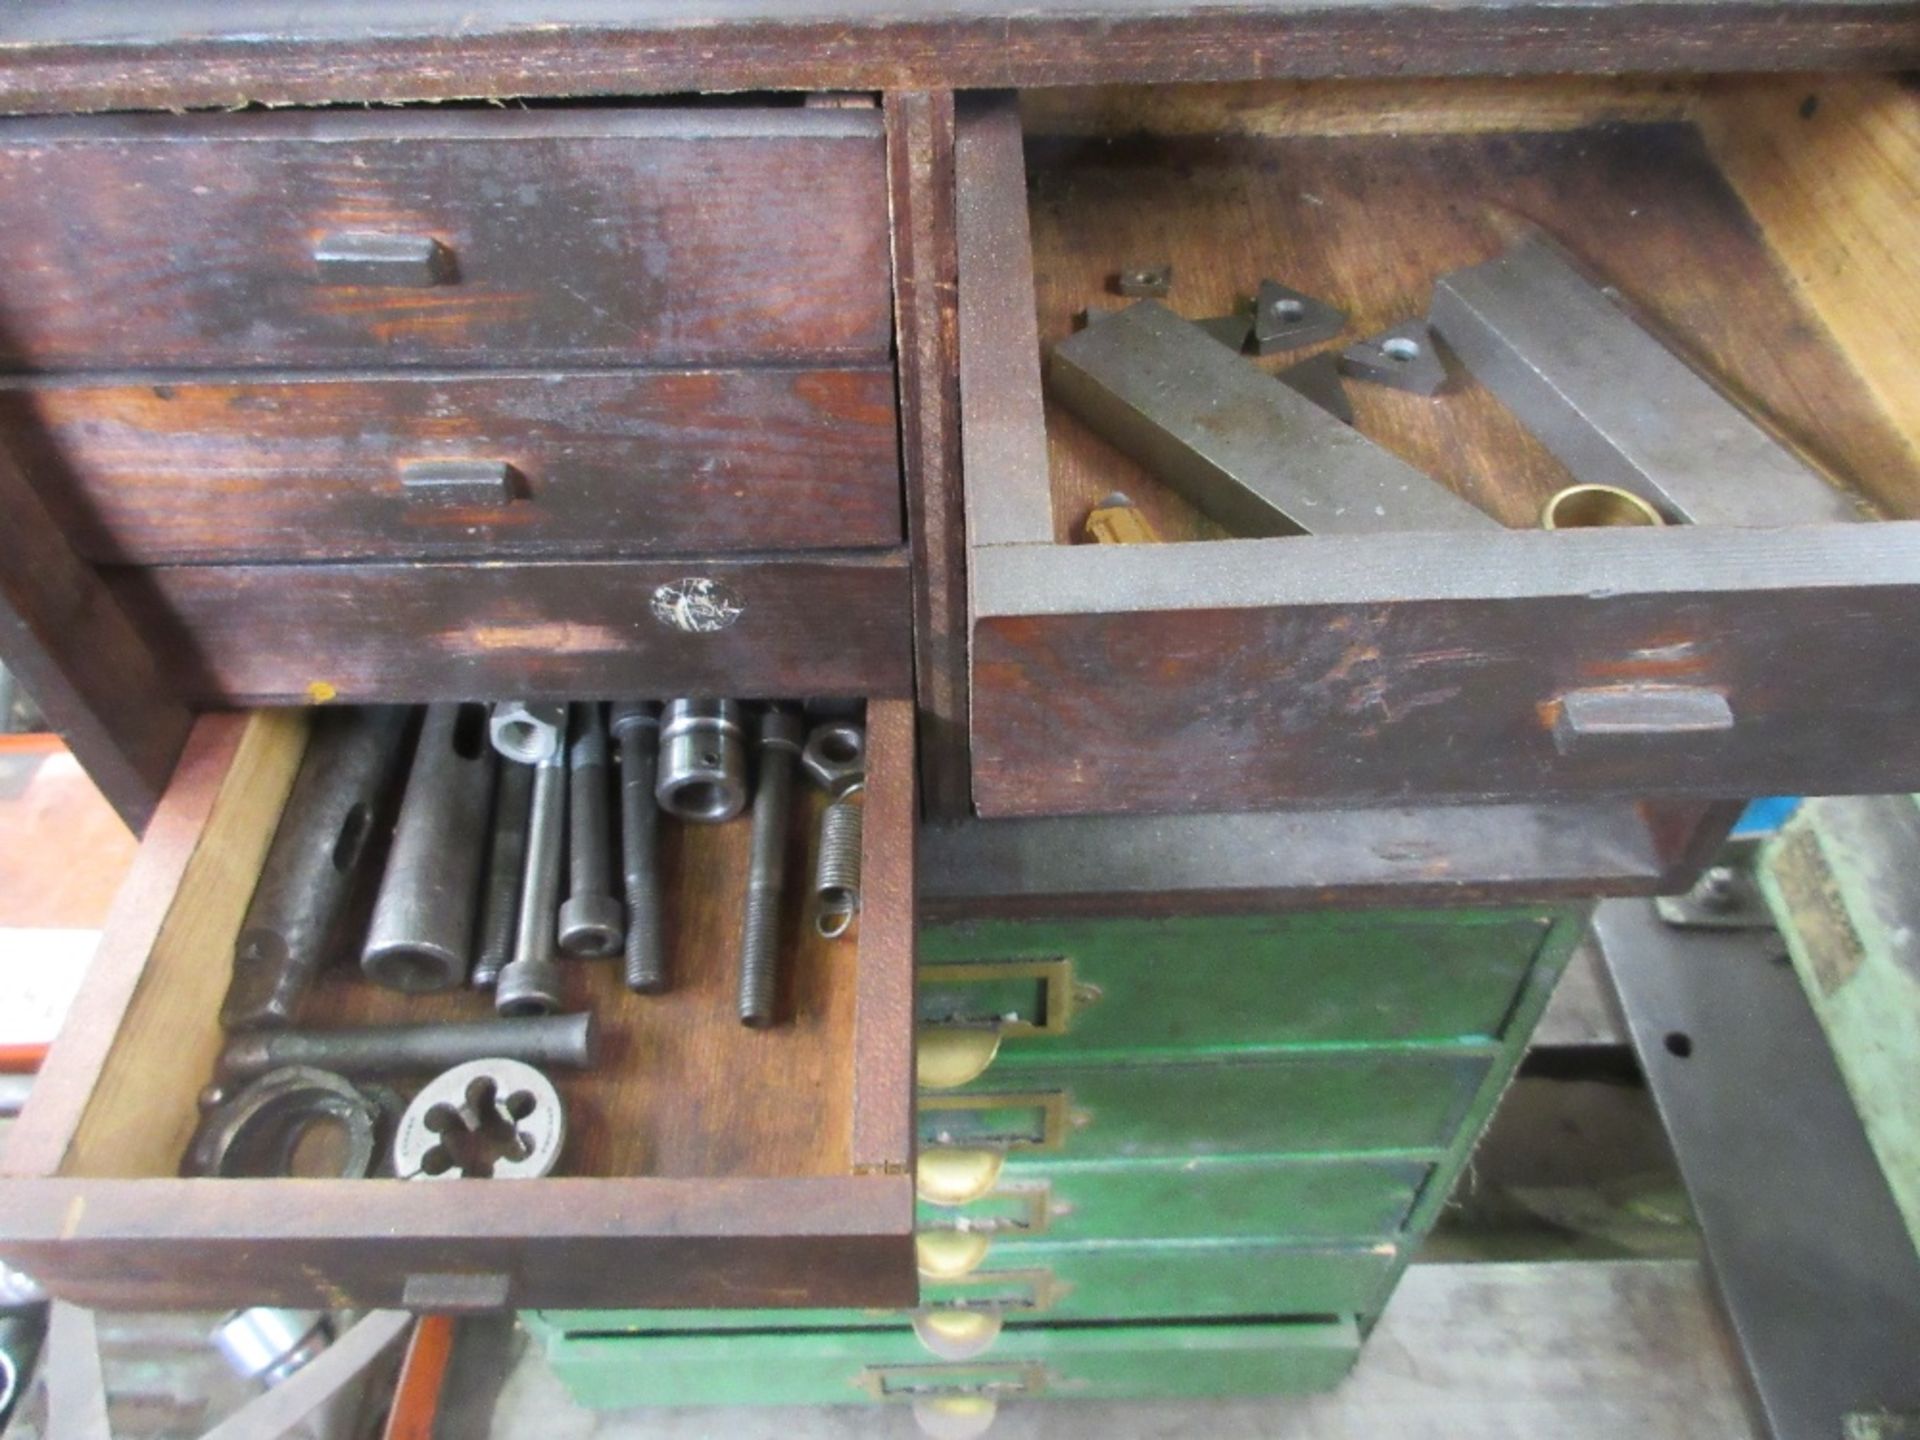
(836, 876)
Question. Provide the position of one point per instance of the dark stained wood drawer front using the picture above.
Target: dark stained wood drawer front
(457, 238)
(705, 1164)
(527, 464)
(1766, 648)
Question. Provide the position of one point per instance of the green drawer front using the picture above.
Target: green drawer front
(1303, 1103)
(1259, 1198)
(1112, 986)
(826, 1367)
(1041, 1283)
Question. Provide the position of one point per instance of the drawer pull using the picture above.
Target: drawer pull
(455, 1292)
(947, 1057)
(462, 482)
(413, 262)
(1002, 1292)
(1010, 997)
(1030, 1120)
(1624, 716)
(956, 1334)
(923, 1382)
(949, 1254)
(954, 1177)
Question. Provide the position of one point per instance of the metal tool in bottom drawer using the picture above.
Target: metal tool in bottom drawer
(1615, 404)
(1247, 450)
(487, 1119)
(421, 936)
(338, 799)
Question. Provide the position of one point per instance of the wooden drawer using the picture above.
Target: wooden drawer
(1013, 995)
(1752, 223)
(445, 465)
(829, 1367)
(458, 237)
(706, 1164)
(807, 624)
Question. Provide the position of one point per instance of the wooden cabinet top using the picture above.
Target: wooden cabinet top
(171, 54)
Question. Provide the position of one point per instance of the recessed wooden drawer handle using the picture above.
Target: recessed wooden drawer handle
(1637, 716)
(355, 257)
(462, 482)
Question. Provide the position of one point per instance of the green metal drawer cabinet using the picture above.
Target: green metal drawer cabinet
(1135, 1125)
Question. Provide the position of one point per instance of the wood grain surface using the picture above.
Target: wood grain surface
(827, 624)
(89, 665)
(1831, 171)
(97, 54)
(920, 138)
(635, 462)
(40, 1139)
(596, 237)
(1399, 669)
(1369, 222)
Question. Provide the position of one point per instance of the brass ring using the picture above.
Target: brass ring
(1586, 507)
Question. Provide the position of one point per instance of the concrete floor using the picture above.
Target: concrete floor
(1567, 1350)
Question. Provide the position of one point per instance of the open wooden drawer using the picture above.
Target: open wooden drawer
(706, 1164)
(1759, 226)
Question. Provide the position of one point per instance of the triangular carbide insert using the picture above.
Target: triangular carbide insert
(1318, 378)
(1285, 319)
(1403, 358)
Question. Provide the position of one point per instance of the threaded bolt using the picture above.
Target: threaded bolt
(636, 729)
(780, 735)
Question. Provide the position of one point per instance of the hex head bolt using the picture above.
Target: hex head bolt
(779, 746)
(593, 922)
(421, 935)
(636, 730)
(530, 983)
(506, 871)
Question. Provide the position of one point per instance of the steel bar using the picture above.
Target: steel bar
(506, 868)
(530, 984)
(1811, 1258)
(636, 730)
(592, 919)
(313, 863)
(415, 1049)
(1614, 403)
(421, 935)
(1249, 451)
(780, 733)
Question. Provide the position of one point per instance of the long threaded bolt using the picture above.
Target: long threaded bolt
(780, 736)
(592, 921)
(530, 983)
(636, 730)
(506, 872)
